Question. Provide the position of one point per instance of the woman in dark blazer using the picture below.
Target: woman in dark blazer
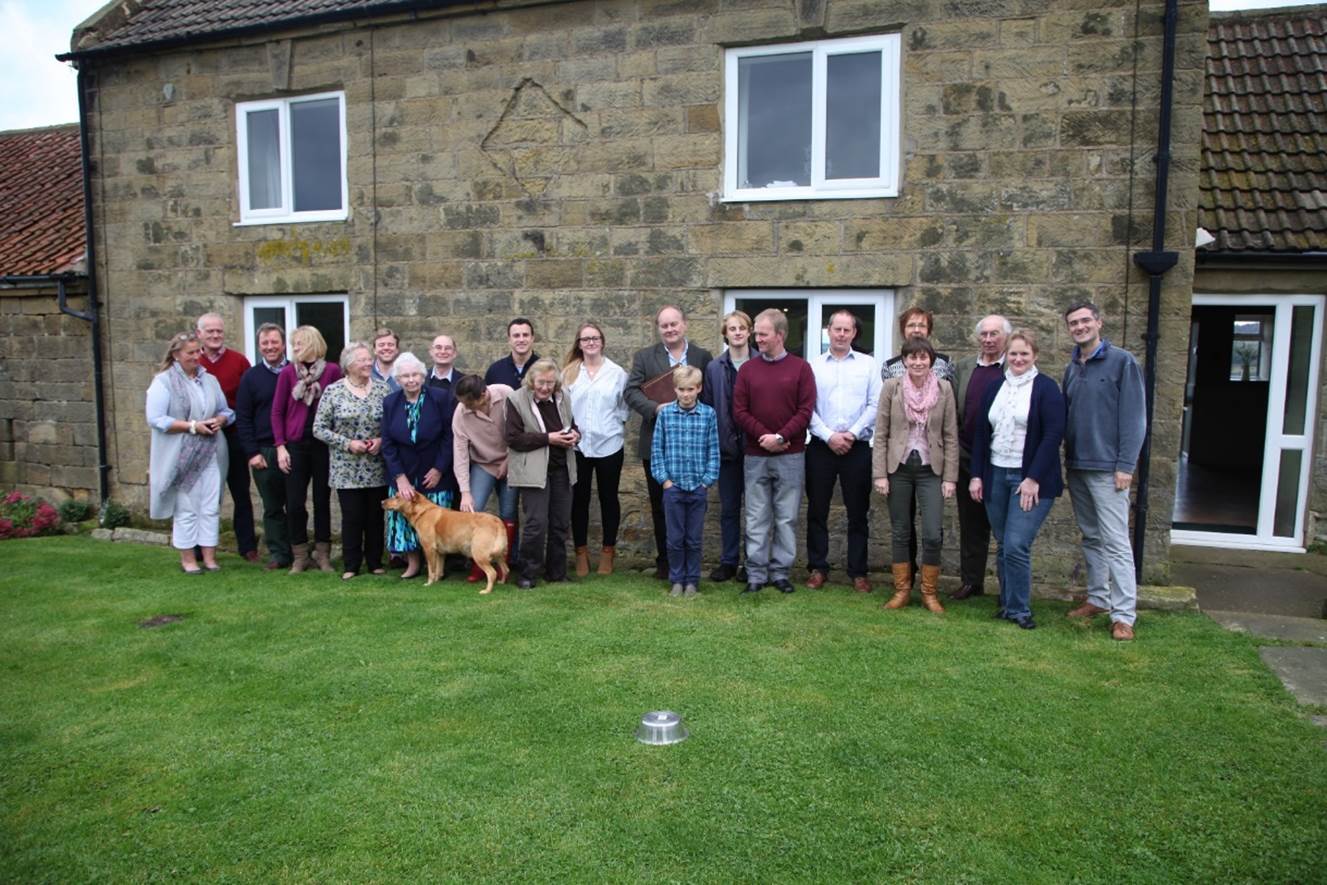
(417, 446)
(1016, 468)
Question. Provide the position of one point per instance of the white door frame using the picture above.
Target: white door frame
(816, 300)
(1275, 442)
(288, 304)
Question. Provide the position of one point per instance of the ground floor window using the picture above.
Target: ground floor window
(329, 314)
(809, 310)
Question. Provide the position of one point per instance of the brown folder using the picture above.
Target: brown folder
(660, 388)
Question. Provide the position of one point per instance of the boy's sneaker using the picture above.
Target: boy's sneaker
(690, 590)
(676, 590)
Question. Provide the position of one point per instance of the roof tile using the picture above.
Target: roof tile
(41, 201)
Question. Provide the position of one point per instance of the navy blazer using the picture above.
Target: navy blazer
(433, 445)
(1041, 449)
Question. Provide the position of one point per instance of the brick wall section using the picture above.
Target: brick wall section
(562, 162)
(48, 431)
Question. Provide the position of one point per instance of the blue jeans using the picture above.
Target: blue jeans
(482, 485)
(731, 487)
(1015, 529)
(684, 513)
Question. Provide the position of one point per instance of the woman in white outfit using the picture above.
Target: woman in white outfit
(186, 411)
(595, 384)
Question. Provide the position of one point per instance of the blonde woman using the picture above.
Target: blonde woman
(299, 454)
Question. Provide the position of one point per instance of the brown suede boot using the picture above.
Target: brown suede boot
(930, 583)
(606, 560)
(582, 561)
(902, 586)
(322, 555)
(300, 562)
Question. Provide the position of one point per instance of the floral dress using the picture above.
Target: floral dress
(341, 417)
(401, 537)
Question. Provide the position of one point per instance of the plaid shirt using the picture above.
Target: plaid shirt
(686, 447)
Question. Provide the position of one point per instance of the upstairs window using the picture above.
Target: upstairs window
(812, 120)
(292, 159)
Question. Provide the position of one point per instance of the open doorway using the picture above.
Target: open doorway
(1247, 438)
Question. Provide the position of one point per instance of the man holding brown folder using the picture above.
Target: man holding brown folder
(650, 388)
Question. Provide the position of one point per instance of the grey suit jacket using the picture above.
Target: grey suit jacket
(647, 364)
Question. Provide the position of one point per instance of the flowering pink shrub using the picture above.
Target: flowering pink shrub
(22, 516)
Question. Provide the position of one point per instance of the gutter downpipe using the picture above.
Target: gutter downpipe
(92, 314)
(1155, 264)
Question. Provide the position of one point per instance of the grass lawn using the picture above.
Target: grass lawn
(305, 729)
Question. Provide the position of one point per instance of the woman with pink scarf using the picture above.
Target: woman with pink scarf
(916, 451)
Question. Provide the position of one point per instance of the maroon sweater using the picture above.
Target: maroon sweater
(774, 397)
(228, 370)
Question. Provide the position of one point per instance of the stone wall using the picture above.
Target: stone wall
(563, 161)
(48, 430)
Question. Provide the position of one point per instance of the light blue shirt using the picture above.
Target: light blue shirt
(847, 394)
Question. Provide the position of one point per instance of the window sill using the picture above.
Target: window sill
(767, 195)
(304, 218)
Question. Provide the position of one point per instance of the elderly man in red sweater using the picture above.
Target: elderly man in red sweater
(228, 366)
(773, 399)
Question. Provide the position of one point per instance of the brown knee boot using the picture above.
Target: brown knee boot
(606, 560)
(930, 584)
(582, 561)
(322, 555)
(300, 562)
(902, 586)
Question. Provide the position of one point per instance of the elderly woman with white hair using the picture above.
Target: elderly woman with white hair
(349, 421)
(417, 446)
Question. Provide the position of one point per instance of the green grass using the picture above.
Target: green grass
(299, 729)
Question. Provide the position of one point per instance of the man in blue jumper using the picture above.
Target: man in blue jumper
(1103, 435)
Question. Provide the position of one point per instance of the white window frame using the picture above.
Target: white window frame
(846, 188)
(285, 213)
(817, 302)
(288, 303)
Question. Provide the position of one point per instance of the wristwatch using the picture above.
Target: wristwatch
(779, 437)
(193, 428)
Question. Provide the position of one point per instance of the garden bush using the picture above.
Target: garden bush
(74, 510)
(23, 516)
(112, 515)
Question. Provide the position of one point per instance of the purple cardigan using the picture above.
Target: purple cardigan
(290, 415)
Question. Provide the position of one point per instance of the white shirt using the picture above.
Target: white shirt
(600, 409)
(1009, 418)
(847, 394)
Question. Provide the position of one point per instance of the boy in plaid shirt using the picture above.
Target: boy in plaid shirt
(684, 459)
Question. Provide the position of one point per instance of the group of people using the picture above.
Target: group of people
(760, 422)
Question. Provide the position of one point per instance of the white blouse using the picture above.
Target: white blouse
(1009, 418)
(600, 410)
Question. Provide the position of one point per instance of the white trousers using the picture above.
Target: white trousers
(197, 521)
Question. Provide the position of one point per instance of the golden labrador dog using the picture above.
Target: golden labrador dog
(481, 536)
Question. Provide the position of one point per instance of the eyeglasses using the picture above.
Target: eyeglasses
(589, 339)
(989, 334)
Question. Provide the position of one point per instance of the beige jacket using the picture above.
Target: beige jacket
(891, 432)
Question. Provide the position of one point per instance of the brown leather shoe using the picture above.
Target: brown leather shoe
(817, 579)
(1086, 610)
(967, 591)
(252, 556)
(861, 584)
(1121, 632)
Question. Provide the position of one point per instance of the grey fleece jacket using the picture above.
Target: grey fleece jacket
(1107, 415)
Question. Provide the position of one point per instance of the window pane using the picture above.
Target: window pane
(315, 147)
(852, 116)
(1287, 493)
(1297, 380)
(264, 159)
(328, 318)
(795, 311)
(865, 313)
(268, 315)
(774, 129)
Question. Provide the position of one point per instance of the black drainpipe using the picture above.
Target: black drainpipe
(1155, 264)
(92, 315)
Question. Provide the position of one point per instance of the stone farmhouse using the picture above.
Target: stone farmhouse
(438, 166)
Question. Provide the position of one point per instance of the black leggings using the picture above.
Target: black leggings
(361, 527)
(308, 461)
(607, 472)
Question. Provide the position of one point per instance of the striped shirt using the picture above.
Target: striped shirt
(685, 449)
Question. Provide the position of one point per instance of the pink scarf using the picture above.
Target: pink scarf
(917, 401)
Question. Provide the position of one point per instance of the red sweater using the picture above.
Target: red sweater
(228, 370)
(774, 397)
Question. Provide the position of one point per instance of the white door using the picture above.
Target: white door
(1281, 338)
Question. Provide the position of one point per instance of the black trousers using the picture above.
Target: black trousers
(547, 514)
(237, 481)
(308, 464)
(657, 517)
(607, 475)
(974, 529)
(852, 472)
(362, 527)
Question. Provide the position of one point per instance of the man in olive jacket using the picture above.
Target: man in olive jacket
(674, 349)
